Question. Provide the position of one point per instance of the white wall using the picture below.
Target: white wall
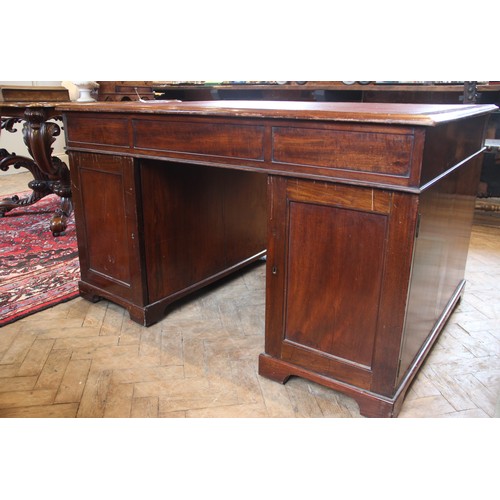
(13, 143)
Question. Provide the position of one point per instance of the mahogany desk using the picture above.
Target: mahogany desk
(367, 224)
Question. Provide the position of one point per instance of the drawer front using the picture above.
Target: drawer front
(372, 155)
(200, 138)
(100, 131)
(373, 152)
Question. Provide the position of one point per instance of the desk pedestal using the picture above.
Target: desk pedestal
(361, 281)
(157, 231)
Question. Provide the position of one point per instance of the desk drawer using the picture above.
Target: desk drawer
(361, 151)
(92, 132)
(223, 140)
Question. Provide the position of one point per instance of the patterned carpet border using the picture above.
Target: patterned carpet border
(37, 271)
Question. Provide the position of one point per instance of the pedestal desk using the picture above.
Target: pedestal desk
(366, 223)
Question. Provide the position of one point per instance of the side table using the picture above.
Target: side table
(50, 174)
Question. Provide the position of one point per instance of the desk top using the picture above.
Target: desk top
(389, 113)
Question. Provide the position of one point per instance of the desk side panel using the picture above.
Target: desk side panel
(449, 144)
(104, 190)
(446, 212)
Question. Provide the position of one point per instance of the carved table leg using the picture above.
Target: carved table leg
(38, 185)
(50, 174)
(62, 188)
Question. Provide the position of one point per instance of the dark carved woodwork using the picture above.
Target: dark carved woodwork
(369, 211)
(50, 174)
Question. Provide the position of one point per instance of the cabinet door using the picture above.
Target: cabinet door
(104, 190)
(339, 263)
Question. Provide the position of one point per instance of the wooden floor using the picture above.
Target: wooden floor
(90, 360)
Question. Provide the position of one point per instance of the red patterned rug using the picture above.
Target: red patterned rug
(37, 270)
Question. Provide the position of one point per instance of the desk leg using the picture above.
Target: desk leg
(370, 404)
(50, 174)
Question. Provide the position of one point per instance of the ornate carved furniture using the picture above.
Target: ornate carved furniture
(369, 210)
(50, 174)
